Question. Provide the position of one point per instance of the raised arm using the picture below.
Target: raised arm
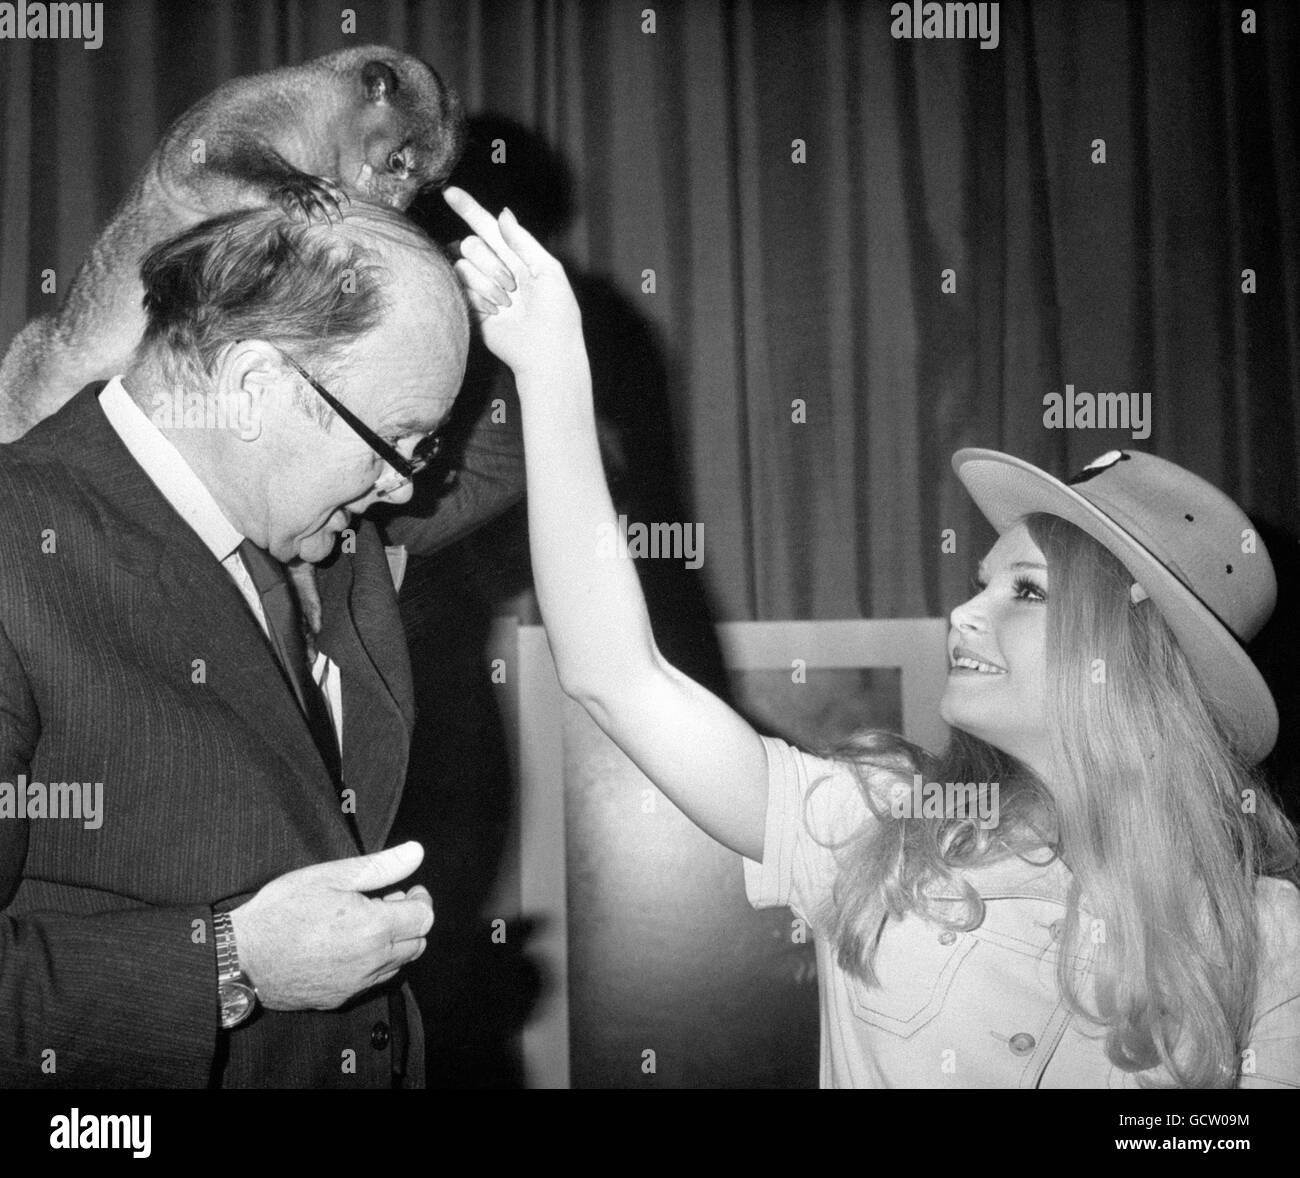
(695, 748)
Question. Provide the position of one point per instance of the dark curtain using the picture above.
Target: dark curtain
(820, 281)
(798, 377)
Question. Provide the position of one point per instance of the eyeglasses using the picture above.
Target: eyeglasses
(426, 450)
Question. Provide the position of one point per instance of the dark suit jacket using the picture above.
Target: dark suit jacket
(128, 656)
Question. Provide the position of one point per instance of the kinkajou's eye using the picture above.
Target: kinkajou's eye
(399, 164)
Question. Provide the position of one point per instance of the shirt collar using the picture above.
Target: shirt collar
(169, 472)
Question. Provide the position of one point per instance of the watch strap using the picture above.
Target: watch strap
(223, 931)
(236, 994)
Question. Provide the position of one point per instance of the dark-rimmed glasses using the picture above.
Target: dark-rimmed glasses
(426, 450)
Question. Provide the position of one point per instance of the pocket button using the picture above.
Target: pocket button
(1022, 1044)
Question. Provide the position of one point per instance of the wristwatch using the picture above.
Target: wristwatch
(236, 994)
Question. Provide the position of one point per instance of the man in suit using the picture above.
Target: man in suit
(207, 921)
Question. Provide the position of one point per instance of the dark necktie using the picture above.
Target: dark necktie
(284, 623)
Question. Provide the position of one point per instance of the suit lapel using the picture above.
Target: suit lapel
(205, 611)
(197, 604)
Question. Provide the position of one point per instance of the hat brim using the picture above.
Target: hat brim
(1006, 489)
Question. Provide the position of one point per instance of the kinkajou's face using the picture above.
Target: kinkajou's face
(997, 652)
(397, 146)
(387, 168)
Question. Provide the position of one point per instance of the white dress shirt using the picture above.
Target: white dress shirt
(194, 503)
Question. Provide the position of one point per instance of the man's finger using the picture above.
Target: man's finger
(407, 919)
(421, 893)
(403, 954)
(368, 873)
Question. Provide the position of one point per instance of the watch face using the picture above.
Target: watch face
(237, 1002)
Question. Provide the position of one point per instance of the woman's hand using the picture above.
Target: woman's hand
(517, 291)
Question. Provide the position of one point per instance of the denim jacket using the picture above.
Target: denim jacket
(979, 1008)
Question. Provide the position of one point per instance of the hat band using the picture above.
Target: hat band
(1140, 537)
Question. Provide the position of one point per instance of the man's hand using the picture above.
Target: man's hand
(518, 292)
(310, 939)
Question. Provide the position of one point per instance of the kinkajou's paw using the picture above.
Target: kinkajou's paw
(312, 197)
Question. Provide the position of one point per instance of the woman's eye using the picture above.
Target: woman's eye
(1027, 590)
(977, 586)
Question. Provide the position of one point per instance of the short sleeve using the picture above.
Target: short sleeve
(813, 805)
(1274, 1044)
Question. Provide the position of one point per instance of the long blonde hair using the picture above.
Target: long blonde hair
(1164, 829)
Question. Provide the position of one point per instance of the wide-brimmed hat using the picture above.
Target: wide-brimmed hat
(1190, 549)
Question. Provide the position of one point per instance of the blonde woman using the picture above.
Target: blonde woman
(1113, 902)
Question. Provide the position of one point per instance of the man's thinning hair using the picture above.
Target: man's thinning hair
(256, 274)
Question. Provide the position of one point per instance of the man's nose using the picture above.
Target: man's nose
(400, 494)
(380, 493)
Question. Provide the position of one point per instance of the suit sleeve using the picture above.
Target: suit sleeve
(121, 999)
(488, 476)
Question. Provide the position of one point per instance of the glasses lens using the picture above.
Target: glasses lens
(392, 483)
(426, 451)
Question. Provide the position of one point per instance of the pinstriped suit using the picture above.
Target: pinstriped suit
(212, 786)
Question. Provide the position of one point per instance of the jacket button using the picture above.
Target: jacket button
(1055, 929)
(379, 1036)
(1022, 1044)
(947, 937)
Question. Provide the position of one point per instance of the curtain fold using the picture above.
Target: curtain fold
(779, 282)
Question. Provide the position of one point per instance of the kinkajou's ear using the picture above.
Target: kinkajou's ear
(379, 80)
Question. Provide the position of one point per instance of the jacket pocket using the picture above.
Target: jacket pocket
(917, 963)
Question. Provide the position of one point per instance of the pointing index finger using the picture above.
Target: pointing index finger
(484, 224)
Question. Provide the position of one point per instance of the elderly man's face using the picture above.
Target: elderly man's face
(401, 381)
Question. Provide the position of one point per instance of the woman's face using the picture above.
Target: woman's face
(997, 653)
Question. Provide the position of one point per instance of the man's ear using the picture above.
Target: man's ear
(254, 386)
